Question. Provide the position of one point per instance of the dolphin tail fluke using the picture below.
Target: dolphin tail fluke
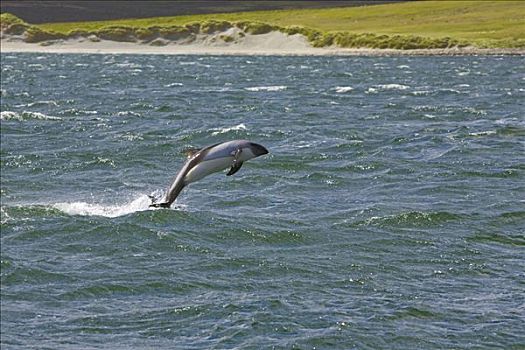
(155, 204)
(160, 205)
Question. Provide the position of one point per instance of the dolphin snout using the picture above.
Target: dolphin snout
(257, 149)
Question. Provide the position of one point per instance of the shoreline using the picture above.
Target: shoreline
(315, 33)
(111, 47)
(274, 43)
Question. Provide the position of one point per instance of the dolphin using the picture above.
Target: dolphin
(209, 160)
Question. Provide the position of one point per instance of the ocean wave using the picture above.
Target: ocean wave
(413, 312)
(452, 91)
(73, 112)
(131, 137)
(498, 238)
(392, 87)
(36, 65)
(408, 219)
(21, 213)
(218, 131)
(20, 160)
(4, 216)
(9, 115)
(510, 131)
(128, 114)
(39, 103)
(343, 89)
(421, 93)
(267, 88)
(474, 111)
(126, 64)
(483, 133)
(105, 289)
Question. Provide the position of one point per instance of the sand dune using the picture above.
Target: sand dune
(230, 42)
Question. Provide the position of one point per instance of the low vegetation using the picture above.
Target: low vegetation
(410, 25)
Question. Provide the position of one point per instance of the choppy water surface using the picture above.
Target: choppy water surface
(390, 213)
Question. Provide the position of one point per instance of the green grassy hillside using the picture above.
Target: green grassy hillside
(418, 24)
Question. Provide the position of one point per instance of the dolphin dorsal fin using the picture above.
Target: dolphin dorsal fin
(190, 152)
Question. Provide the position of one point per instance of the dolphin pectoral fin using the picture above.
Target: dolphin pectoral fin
(235, 168)
(236, 164)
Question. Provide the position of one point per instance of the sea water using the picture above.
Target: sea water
(389, 214)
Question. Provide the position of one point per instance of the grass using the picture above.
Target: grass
(418, 24)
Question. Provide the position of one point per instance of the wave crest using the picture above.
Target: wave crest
(9, 115)
(392, 87)
(267, 88)
(225, 130)
(343, 89)
(409, 219)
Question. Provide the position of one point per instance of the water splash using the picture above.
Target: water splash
(225, 130)
(111, 211)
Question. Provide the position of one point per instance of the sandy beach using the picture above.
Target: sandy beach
(245, 36)
(274, 43)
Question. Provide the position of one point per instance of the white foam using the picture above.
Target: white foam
(4, 217)
(225, 130)
(9, 115)
(393, 87)
(131, 65)
(191, 63)
(131, 137)
(483, 133)
(421, 93)
(343, 89)
(267, 88)
(38, 103)
(93, 209)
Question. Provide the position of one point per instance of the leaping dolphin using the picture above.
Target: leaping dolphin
(211, 159)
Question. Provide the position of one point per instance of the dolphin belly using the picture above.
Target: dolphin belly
(206, 168)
